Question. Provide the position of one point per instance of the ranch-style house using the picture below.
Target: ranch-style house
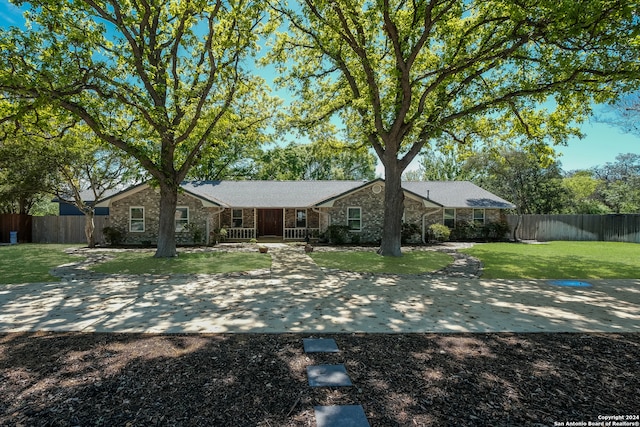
(295, 210)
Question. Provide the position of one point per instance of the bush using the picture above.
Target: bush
(439, 233)
(408, 232)
(219, 235)
(196, 233)
(113, 236)
(464, 231)
(338, 234)
(355, 238)
(495, 230)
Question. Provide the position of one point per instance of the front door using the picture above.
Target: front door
(270, 222)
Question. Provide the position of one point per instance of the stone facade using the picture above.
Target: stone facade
(490, 215)
(203, 221)
(149, 199)
(372, 207)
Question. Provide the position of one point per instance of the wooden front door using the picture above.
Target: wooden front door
(270, 222)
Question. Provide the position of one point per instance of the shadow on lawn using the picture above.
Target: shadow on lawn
(332, 303)
(254, 379)
(560, 267)
(260, 380)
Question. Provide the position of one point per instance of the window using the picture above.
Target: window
(182, 218)
(136, 219)
(450, 217)
(236, 218)
(301, 218)
(354, 219)
(478, 216)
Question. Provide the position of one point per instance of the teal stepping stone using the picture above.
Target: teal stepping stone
(341, 416)
(320, 345)
(328, 376)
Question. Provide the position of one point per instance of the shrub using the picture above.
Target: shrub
(464, 231)
(220, 235)
(408, 232)
(439, 232)
(495, 230)
(338, 234)
(113, 236)
(355, 238)
(196, 232)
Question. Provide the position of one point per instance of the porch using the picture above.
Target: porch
(279, 224)
(293, 234)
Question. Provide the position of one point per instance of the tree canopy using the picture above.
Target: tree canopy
(619, 183)
(160, 80)
(44, 155)
(532, 182)
(400, 74)
(315, 161)
(88, 170)
(27, 174)
(625, 114)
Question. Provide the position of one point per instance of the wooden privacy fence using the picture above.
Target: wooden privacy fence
(20, 223)
(65, 229)
(610, 228)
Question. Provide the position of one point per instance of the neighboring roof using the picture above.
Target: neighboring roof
(295, 194)
(268, 194)
(457, 194)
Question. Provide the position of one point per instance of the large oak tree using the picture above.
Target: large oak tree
(402, 73)
(158, 79)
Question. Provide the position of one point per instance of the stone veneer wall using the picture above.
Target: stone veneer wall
(149, 199)
(371, 204)
(490, 215)
(372, 208)
(436, 216)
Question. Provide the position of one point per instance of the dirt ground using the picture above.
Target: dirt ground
(503, 379)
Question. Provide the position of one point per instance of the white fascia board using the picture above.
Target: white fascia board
(430, 204)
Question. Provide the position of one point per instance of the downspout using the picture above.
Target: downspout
(424, 215)
(424, 224)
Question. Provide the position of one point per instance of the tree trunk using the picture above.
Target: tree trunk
(515, 229)
(89, 227)
(167, 221)
(393, 207)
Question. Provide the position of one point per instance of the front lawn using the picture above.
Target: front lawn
(30, 263)
(132, 262)
(415, 262)
(559, 260)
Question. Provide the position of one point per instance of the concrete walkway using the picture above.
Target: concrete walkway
(297, 296)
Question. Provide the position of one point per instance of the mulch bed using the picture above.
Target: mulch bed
(69, 379)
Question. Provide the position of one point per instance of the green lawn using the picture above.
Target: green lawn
(197, 263)
(369, 262)
(559, 260)
(30, 263)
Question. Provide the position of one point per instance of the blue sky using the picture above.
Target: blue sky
(601, 144)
